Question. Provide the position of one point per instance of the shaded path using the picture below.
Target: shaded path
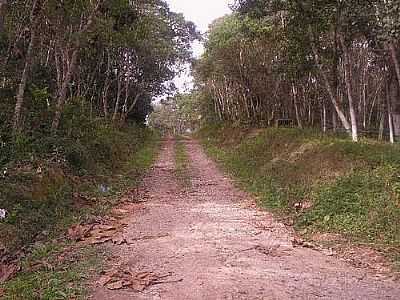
(217, 245)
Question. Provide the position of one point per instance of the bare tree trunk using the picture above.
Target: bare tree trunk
(22, 85)
(347, 73)
(395, 59)
(125, 106)
(381, 127)
(106, 87)
(324, 117)
(27, 67)
(131, 107)
(70, 66)
(296, 108)
(389, 112)
(334, 121)
(119, 91)
(329, 88)
(62, 96)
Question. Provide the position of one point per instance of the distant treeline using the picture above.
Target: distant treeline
(329, 64)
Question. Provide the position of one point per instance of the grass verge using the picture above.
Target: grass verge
(42, 205)
(321, 183)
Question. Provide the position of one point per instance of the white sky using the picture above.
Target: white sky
(202, 13)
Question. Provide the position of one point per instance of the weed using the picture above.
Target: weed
(348, 188)
(42, 204)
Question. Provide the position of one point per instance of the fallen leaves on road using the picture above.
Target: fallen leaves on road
(127, 278)
(107, 230)
(8, 271)
(79, 232)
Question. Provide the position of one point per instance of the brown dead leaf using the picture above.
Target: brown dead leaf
(79, 232)
(2, 293)
(115, 285)
(127, 278)
(8, 271)
(105, 227)
(97, 241)
(104, 280)
(138, 286)
(119, 212)
(119, 241)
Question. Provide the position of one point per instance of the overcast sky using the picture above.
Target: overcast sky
(202, 13)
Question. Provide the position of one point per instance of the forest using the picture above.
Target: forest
(275, 172)
(330, 65)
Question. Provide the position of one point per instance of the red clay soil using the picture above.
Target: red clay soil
(214, 243)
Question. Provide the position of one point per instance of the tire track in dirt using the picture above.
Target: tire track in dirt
(214, 243)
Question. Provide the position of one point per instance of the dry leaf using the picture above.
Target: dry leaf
(2, 293)
(104, 280)
(79, 232)
(115, 285)
(7, 272)
(138, 286)
(119, 241)
(106, 227)
(103, 240)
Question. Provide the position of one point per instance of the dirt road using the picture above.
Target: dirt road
(213, 243)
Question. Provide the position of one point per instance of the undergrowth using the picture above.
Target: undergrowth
(323, 183)
(48, 186)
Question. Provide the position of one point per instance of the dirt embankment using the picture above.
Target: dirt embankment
(209, 241)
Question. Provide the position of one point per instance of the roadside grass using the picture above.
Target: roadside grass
(182, 163)
(47, 276)
(323, 183)
(42, 206)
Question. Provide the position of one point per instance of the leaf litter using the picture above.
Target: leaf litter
(8, 271)
(101, 231)
(126, 278)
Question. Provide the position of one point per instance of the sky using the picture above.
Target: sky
(202, 13)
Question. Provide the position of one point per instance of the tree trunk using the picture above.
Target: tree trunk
(106, 87)
(295, 98)
(329, 89)
(393, 54)
(131, 107)
(119, 92)
(22, 85)
(70, 66)
(347, 73)
(381, 127)
(324, 127)
(62, 95)
(390, 115)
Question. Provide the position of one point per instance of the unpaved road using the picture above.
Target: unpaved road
(216, 244)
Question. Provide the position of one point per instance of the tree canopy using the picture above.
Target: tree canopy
(332, 64)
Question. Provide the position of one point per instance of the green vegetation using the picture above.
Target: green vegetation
(325, 184)
(77, 83)
(182, 163)
(49, 277)
(301, 63)
(52, 190)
